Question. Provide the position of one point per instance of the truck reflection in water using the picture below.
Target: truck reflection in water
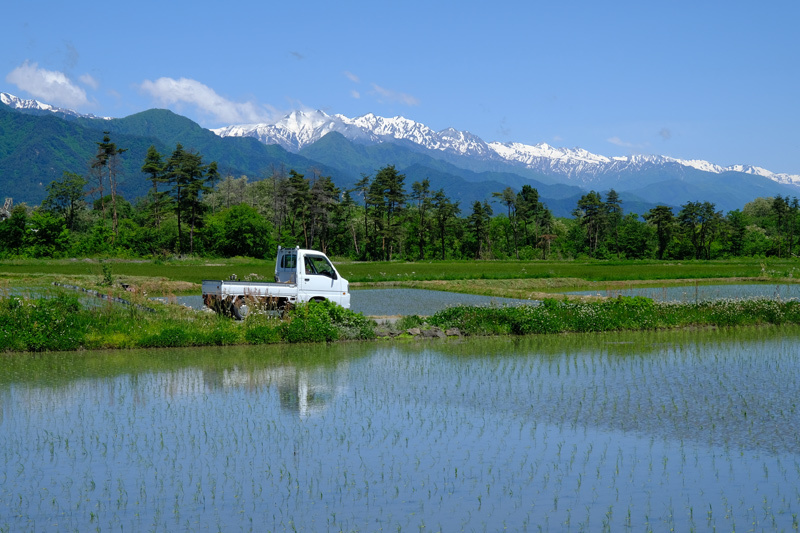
(304, 391)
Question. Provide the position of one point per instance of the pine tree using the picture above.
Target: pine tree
(421, 195)
(662, 218)
(154, 167)
(387, 196)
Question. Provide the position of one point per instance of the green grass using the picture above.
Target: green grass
(586, 270)
(190, 270)
(616, 314)
(59, 322)
(196, 270)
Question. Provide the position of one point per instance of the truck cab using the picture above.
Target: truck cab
(314, 274)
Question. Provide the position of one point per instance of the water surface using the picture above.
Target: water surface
(382, 302)
(676, 430)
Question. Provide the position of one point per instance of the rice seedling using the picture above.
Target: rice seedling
(631, 432)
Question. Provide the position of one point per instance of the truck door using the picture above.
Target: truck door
(320, 278)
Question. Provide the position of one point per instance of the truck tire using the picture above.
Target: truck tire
(236, 309)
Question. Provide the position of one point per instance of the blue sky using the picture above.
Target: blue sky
(694, 80)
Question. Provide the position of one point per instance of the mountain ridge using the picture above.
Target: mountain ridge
(301, 128)
(461, 163)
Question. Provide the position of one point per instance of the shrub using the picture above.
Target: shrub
(42, 324)
(324, 322)
(309, 323)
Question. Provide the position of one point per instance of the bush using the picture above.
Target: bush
(42, 324)
(325, 322)
(309, 323)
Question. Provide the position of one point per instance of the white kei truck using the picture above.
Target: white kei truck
(300, 276)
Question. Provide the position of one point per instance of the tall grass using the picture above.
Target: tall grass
(622, 313)
(62, 322)
(42, 324)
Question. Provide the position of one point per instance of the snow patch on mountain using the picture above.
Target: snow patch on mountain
(18, 103)
(301, 128)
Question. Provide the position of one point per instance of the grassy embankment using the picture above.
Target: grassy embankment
(60, 322)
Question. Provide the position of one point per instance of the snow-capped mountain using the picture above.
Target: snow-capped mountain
(301, 128)
(573, 166)
(35, 105)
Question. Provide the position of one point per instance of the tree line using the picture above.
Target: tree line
(191, 209)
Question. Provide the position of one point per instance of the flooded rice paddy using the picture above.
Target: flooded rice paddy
(422, 302)
(700, 292)
(668, 431)
(380, 302)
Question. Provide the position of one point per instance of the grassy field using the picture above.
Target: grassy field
(496, 278)
(35, 323)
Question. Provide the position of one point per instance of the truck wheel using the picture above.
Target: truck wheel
(239, 309)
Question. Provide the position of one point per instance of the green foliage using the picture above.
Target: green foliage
(239, 231)
(65, 197)
(622, 313)
(325, 322)
(171, 337)
(48, 236)
(262, 328)
(223, 334)
(108, 277)
(409, 321)
(263, 334)
(13, 232)
(298, 205)
(351, 325)
(42, 324)
(309, 323)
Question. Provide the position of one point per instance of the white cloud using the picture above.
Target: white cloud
(89, 81)
(355, 94)
(619, 142)
(352, 77)
(394, 96)
(50, 86)
(169, 91)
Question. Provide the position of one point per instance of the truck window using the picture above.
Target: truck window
(316, 264)
(289, 262)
